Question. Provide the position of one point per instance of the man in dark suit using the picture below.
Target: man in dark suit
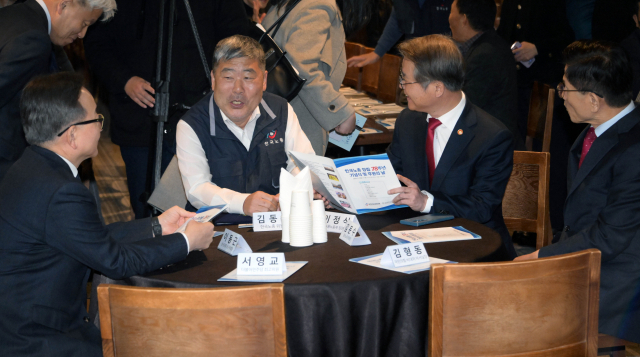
(51, 234)
(453, 156)
(602, 209)
(122, 53)
(489, 74)
(27, 31)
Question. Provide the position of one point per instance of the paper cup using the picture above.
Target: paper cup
(300, 204)
(285, 229)
(319, 222)
(301, 231)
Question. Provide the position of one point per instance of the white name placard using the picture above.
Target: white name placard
(261, 264)
(404, 254)
(336, 222)
(353, 234)
(233, 243)
(267, 221)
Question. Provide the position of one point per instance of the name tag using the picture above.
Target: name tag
(261, 264)
(233, 243)
(336, 222)
(267, 221)
(404, 254)
(353, 234)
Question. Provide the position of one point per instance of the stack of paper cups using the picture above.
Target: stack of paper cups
(300, 219)
(285, 228)
(319, 223)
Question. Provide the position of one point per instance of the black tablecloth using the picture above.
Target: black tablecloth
(335, 307)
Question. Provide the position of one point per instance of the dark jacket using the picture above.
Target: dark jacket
(414, 21)
(631, 44)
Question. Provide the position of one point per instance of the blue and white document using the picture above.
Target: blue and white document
(431, 235)
(354, 185)
(376, 261)
(346, 141)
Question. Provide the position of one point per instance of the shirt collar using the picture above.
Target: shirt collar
(466, 45)
(254, 116)
(46, 11)
(609, 123)
(450, 118)
(73, 168)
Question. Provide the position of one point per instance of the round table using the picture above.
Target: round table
(335, 307)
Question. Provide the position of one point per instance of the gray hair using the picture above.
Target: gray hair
(238, 46)
(108, 7)
(436, 58)
(49, 104)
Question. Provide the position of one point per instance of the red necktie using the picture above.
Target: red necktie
(586, 144)
(431, 160)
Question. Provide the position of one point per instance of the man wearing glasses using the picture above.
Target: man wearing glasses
(453, 157)
(602, 209)
(51, 233)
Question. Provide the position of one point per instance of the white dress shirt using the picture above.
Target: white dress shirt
(609, 123)
(194, 165)
(440, 138)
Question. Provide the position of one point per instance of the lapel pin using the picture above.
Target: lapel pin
(460, 131)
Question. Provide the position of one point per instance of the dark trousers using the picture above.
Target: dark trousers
(139, 168)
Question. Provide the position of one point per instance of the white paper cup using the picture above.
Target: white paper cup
(285, 229)
(319, 222)
(301, 231)
(300, 205)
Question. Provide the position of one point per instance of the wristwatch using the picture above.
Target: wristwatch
(157, 228)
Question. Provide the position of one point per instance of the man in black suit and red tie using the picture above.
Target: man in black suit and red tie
(453, 157)
(28, 32)
(602, 209)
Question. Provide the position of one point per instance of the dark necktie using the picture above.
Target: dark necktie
(431, 160)
(586, 144)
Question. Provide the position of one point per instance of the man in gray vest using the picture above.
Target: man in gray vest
(232, 144)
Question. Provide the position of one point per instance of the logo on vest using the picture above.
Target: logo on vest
(272, 138)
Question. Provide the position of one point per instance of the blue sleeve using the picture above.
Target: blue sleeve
(390, 35)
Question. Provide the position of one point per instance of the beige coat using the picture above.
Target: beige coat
(313, 37)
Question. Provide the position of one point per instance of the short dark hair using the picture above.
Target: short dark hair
(436, 58)
(49, 104)
(480, 13)
(602, 68)
(238, 46)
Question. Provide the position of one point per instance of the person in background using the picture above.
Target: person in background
(489, 74)
(232, 144)
(602, 209)
(313, 37)
(51, 233)
(631, 44)
(28, 32)
(255, 9)
(409, 18)
(453, 157)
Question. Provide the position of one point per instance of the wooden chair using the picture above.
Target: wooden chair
(541, 307)
(540, 116)
(388, 88)
(236, 321)
(525, 205)
(370, 75)
(354, 74)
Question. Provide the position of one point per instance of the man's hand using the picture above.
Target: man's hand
(199, 235)
(138, 89)
(526, 52)
(260, 202)
(173, 218)
(529, 256)
(318, 196)
(363, 60)
(410, 195)
(347, 126)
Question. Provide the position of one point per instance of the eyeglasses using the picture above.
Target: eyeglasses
(562, 88)
(99, 119)
(403, 83)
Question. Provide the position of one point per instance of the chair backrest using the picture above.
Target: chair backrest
(354, 74)
(388, 88)
(235, 321)
(170, 191)
(370, 75)
(540, 115)
(540, 307)
(525, 205)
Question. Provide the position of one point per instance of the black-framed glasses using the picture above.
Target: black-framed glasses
(99, 119)
(562, 88)
(403, 83)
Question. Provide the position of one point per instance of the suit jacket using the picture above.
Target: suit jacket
(490, 80)
(313, 37)
(472, 173)
(126, 46)
(51, 235)
(543, 23)
(602, 211)
(25, 52)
